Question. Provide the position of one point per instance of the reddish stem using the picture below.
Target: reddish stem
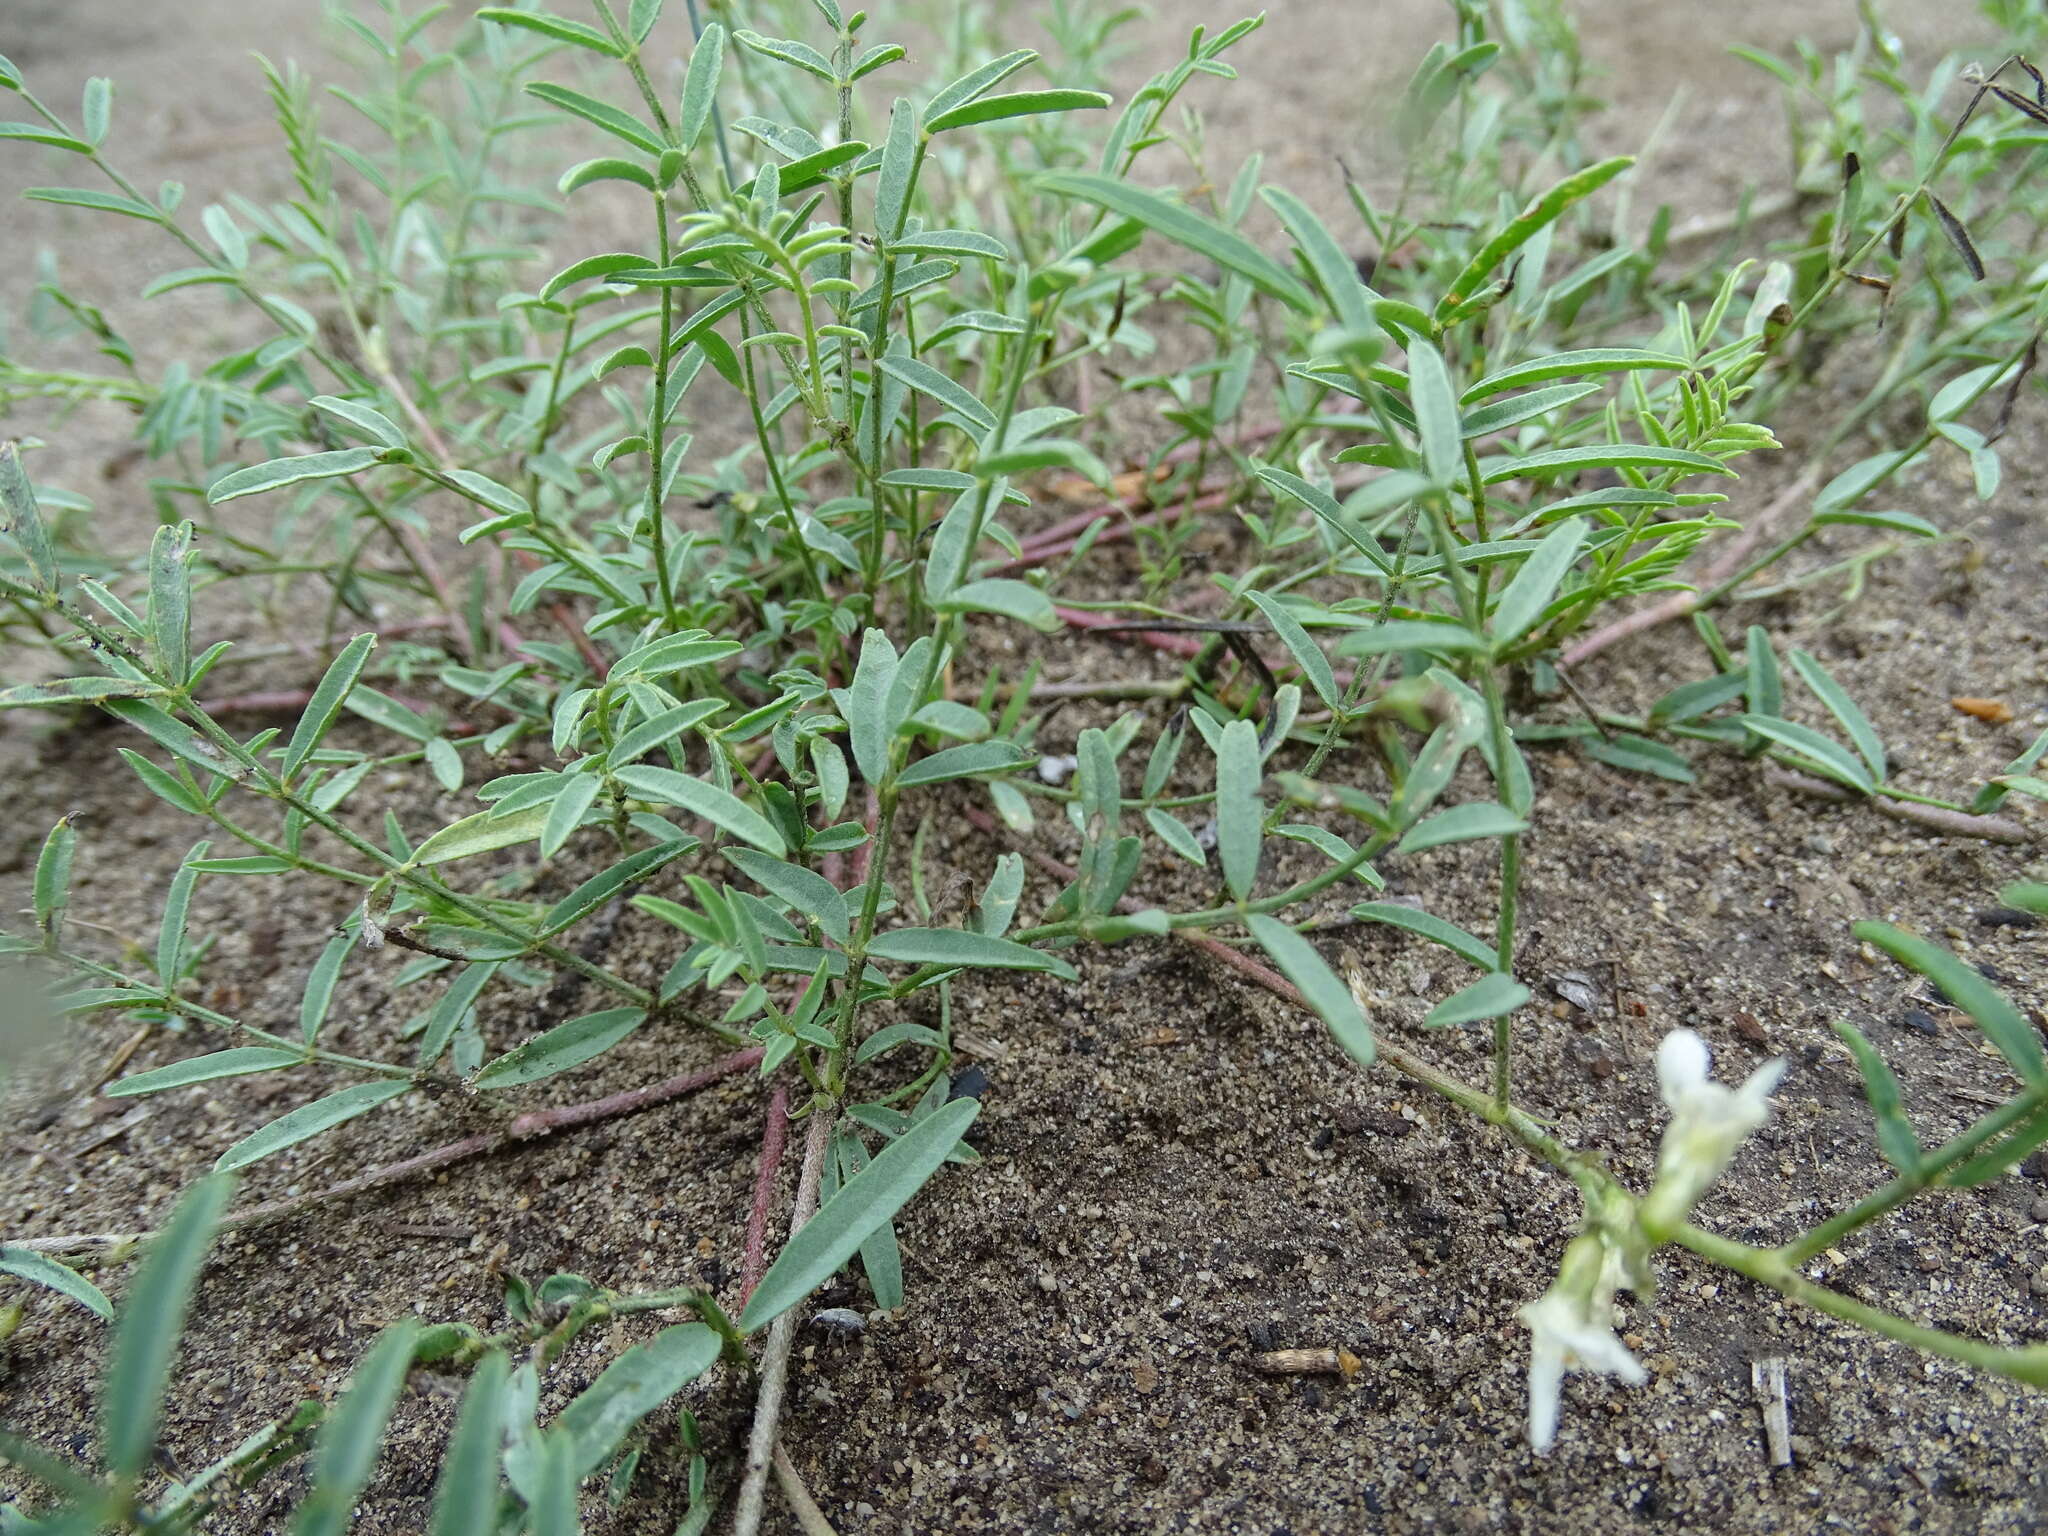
(530, 1126)
(774, 1138)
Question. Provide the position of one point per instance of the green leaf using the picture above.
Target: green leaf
(52, 885)
(278, 473)
(598, 114)
(1017, 600)
(985, 77)
(450, 1008)
(565, 1046)
(863, 1203)
(152, 1317)
(1350, 299)
(722, 809)
(1436, 413)
(466, 1495)
(603, 265)
(1815, 751)
(1639, 754)
(371, 423)
(990, 109)
(1239, 814)
(927, 380)
(1563, 364)
(1434, 929)
(319, 993)
(1503, 414)
(1183, 226)
(1536, 583)
(606, 168)
(1891, 522)
(567, 810)
(75, 690)
(810, 893)
(2002, 1154)
(1541, 211)
(1412, 635)
(898, 170)
(962, 762)
(1571, 461)
(1462, 824)
(481, 833)
(237, 1062)
(346, 1452)
(485, 491)
(700, 84)
(2003, 1024)
(99, 202)
(21, 520)
(309, 1120)
(1487, 998)
(36, 133)
(1329, 997)
(958, 946)
(336, 684)
(558, 28)
(1325, 506)
(97, 108)
(1895, 1138)
(879, 1255)
(1831, 693)
(599, 889)
(27, 1264)
(639, 1381)
(952, 242)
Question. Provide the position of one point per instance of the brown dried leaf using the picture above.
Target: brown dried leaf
(1990, 711)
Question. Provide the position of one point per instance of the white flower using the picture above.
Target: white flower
(1709, 1120)
(1571, 1327)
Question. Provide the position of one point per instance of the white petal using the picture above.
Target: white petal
(1682, 1063)
(1546, 1378)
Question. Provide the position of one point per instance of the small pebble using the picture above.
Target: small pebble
(1921, 1020)
(2038, 1211)
(1748, 1028)
(1929, 1260)
(1048, 1281)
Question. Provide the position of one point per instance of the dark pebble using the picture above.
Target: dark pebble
(1920, 1019)
(2006, 917)
(971, 1083)
(1324, 1137)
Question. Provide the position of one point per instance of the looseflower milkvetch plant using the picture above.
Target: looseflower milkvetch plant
(720, 690)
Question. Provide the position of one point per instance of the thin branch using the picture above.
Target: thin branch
(1934, 818)
(781, 1340)
(1725, 562)
(774, 1137)
(531, 1126)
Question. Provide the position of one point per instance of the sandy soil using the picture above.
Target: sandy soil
(1179, 1172)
